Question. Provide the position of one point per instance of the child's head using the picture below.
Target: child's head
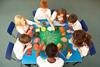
(72, 18)
(43, 4)
(81, 38)
(20, 20)
(61, 15)
(24, 38)
(51, 50)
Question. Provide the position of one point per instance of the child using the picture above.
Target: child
(60, 17)
(43, 10)
(22, 24)
(73, 23)
(82, 41)
(22, 44)
(52, 61)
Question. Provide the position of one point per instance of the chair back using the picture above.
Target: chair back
(52, 10)
(11, 27)
(33, 12)
(84, 26)
(92, 49)
(9, 51)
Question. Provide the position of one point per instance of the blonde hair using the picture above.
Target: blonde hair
(43, 4)
(18, 20)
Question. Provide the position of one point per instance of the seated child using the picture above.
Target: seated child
(73, 23)
(60, 17)
(43, 10)
(82, 41)
(22, 44)
(22, 24)
(52, 61)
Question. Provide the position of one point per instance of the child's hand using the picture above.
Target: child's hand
(42, 46)
(38, 24)
(31, 28)
(36, 47)
(69, 31)
(29, 46)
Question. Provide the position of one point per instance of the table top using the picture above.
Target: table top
(55, 37)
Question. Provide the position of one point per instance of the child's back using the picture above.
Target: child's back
(52, 61)
(19, 46)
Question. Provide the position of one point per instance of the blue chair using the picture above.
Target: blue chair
(52, 10)
(33, 12)
(11, 28)
(84, 26)
(9, 52)
(92, 49)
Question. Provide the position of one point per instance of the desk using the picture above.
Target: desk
(74, 58)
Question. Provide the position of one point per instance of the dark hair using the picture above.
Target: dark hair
(62, 11)
(51, 50)
(72, 18)
(81, 38)
(24, 38)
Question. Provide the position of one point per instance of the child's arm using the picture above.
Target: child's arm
(29, 46)
(34, 23)
(51, 22)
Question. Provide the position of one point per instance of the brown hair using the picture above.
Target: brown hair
(62, 11)
(24, 38)
(51, 50)
(81, 38)
(72, 18)
(43, 4)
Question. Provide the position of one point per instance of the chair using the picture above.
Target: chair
(84, 26)
(52, 10)
(11, 28)
(33, 12)
(9, 52)
(92, 50)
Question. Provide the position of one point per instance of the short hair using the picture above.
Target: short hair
(43, 4)
(24, 38)
(81, 38)
(62, 11)
(72, 18)
(51, 50)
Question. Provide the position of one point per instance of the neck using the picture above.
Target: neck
(51, 60)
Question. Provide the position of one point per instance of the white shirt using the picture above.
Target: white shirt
(44, 63)
(18, 49)
(22, 30)
(83, 50)
(77, 26)
(41, 13)
(53, 17)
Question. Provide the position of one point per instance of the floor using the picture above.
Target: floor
(89, 10)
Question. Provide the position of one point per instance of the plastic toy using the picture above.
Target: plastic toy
(29, 51)
(36, 40)
(69, 54)
(49, 29)
(59, 46)
(64, 39)
(37, 30)
(43, 29)
(62, 30)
